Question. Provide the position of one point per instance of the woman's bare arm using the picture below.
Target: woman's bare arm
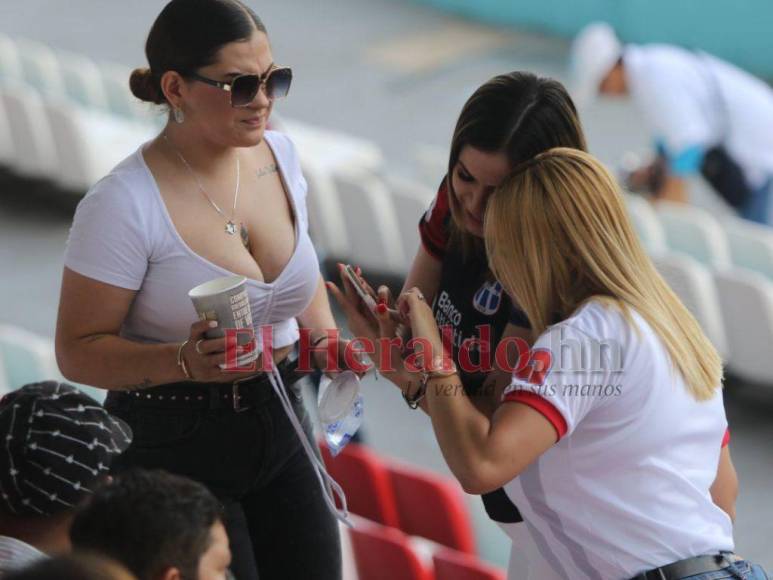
(90, 351)
(88, 348)
(724, 490)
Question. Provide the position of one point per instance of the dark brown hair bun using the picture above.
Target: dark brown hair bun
(146, 87)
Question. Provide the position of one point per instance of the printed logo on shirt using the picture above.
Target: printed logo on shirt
(535, 371)
(488, 298)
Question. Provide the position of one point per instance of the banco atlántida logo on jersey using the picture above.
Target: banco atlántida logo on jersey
(488, 298)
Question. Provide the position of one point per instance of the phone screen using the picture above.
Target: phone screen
(361, 291)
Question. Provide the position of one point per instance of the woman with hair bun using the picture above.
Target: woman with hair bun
(215, 194)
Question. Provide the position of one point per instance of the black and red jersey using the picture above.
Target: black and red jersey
(469, 298)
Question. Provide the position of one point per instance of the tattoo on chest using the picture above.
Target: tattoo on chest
(267, 170)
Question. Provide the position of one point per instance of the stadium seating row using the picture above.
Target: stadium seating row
(723, 272)
(410, 523)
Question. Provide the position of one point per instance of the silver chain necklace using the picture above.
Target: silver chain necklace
(230, 226)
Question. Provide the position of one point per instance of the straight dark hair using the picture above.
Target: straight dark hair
(148, 521)
(187, 36)
(520, 115)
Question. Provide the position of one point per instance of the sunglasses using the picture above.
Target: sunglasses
(243, 88)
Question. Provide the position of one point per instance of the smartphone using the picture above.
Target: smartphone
(362, 292)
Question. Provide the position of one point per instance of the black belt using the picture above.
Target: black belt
(690, 567)
(239, 395)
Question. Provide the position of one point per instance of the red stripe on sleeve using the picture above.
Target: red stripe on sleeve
(726, 438)
(433, 225)
(542, 405)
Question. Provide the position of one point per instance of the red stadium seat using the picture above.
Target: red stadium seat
(365, 481)
(451, 565)
(384, 553)
(432, 507)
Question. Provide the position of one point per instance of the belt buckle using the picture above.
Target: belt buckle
(236, 398)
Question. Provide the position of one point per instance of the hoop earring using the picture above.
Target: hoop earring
(179, 116)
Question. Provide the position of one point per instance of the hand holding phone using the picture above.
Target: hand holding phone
(360, 288)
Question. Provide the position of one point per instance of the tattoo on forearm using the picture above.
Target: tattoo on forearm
(145, 384)
(267, 170)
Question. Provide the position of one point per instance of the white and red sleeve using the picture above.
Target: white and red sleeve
(553, 387)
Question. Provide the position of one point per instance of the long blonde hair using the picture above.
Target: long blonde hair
(557, 234)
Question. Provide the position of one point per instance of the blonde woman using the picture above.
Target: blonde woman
(609, 437)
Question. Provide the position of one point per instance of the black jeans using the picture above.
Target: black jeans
(274, 511)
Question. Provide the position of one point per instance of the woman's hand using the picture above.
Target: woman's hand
(414, 307)
(324, 354)
(377, 328)
(361, 322)
(203, 356)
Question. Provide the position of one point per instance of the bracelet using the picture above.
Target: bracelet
(414, 401)
(319, 339)
(181, 360)
(435, 372)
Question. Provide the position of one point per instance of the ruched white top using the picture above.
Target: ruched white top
(123, 235)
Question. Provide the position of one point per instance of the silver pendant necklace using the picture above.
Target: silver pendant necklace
(230, 226)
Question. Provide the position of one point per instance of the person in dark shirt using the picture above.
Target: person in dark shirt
(508, 120)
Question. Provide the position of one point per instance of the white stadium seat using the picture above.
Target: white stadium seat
(121, 101)
(331, 150)
(41, 68)
(90, 143)
(83, 80)
(411, 201)
(28, 358)
(10, 65)
(646, 223)
(35, 153)
(751, 245)
(694, 285)
(7, 150)
(746, 299)
(371, 222)
(695, 232)
(326, 218)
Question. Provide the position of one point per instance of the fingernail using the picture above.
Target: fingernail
(212, 324)
(381, 308)
(358, 270)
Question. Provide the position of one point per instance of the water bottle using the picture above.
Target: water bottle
(340, 409)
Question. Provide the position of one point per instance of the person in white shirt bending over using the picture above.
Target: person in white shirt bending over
(609, 437)
(707, 116)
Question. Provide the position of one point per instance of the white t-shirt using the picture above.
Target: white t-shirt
(123, 235)
(626, 487)
(15, 555)
(678, 92)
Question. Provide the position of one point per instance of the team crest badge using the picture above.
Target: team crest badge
(488, 298)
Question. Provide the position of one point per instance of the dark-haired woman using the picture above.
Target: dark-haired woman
(508, 120)
(215, 194)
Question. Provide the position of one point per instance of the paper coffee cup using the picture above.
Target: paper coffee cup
(226, 301)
